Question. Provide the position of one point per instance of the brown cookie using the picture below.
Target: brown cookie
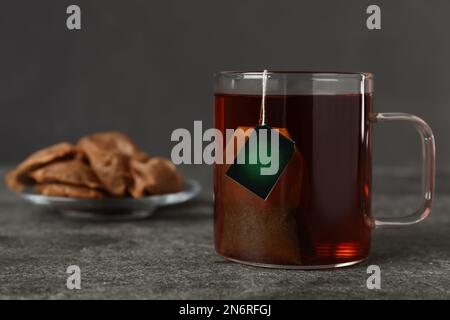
(117, 142)
(138, 184)
(108, 162)
(155, 176)
(18, 178)
(65, 190)
(74, 172)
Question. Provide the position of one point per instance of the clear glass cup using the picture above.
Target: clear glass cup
(318, 212)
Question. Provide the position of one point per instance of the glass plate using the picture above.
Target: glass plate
(113, 209)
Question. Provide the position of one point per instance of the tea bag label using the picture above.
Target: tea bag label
(260, 162)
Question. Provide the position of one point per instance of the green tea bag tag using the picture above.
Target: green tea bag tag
(261, 161)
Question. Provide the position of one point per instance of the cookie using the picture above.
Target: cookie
(74, 172)
(18, 178)
(155, 176)
(117, 142)
(108, 162)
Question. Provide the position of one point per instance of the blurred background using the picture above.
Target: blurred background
(145, 67)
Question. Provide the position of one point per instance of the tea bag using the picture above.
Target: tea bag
(259, 223)
(248, 168)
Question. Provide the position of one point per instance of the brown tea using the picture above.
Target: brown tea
(318, 212)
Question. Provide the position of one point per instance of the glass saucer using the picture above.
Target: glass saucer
(113, 209)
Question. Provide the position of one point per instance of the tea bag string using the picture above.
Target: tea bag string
(262, 116)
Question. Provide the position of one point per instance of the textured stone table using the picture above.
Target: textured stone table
(171, 255)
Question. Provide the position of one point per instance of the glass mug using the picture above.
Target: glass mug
(318, 212)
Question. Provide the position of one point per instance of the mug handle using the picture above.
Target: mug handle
(428, 168)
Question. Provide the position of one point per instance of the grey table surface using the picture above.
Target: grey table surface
(171, 256)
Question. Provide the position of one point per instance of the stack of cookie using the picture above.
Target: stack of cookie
(106, 164)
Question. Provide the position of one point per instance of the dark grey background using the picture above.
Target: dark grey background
(145, 67)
